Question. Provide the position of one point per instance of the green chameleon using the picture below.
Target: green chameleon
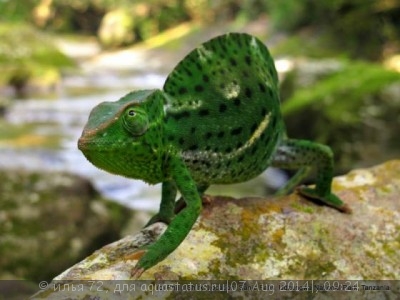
(216, 121)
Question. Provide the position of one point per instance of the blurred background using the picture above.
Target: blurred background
(338, 61)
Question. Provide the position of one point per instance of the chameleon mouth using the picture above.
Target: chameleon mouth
(85, 144)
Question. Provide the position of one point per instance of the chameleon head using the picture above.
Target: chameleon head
(124, 137)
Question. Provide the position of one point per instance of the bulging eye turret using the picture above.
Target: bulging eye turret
(135, 121)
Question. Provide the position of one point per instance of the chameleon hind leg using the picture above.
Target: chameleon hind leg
(293, 154)
(293, 182)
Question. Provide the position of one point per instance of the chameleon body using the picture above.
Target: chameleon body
(217, 120)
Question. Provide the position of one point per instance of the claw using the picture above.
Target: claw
(136, 255)
(345, 209)
(330, 200)
(136, 272)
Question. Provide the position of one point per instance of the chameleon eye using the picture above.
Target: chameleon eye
(135, 121)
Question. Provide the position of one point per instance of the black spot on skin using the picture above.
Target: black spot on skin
(233, 62)
(221, 134)
(264, 135)
(237, 101)
(208, 135)
(204, 112)
(181, 141)
(248, 60)
(199, 88)
(270, 93)
(206, 78)
(198, 65)
(236, 131)
(248, 92)
(263, 111)
(238, 40)
(273, 122)
(180, 115)
(224, 49)
(262, 87)
(254, 127)
(222, 107)
(188, 72)
(182, 91)
(271, 69)
(253, 150)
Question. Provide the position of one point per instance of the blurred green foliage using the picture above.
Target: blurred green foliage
(27, 55)
(354, 109)
(362, 28)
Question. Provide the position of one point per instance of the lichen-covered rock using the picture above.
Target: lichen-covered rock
(49, 221)
(276, 238)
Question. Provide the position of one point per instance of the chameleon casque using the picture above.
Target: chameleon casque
(217, 120)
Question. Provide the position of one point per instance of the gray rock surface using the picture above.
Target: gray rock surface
(269, 239)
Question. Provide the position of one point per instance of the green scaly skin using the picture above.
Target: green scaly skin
(216, 121)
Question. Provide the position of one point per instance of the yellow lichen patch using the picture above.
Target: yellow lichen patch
(355, 179)
(277, 235)
(194, 255)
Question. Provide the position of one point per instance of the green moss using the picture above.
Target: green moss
(27, 54)
(302, 208)
(316, 269)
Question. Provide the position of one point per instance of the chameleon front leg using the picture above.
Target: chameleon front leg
(181, 224)
(293, 154)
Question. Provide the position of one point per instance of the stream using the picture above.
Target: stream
(65, 118)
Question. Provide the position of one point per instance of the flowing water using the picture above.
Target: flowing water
(63, 119)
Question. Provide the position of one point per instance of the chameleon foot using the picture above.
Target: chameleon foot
(330, 199)
(136, 272)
